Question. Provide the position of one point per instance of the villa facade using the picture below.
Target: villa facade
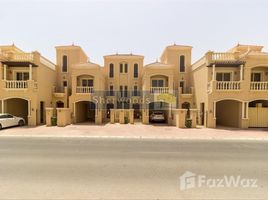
(221, 89)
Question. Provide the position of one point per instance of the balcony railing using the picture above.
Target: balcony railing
(259, 86)
(16, 84)
(82, 89)
(223, 57)
(228, 85)
(159, 90)
(22, 57)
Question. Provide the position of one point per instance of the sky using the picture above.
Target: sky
(143, 27)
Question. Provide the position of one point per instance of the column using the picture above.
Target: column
(241, 72)
(243, 110)
(30, 72)
(3, 106)
(5, 72)
(213, 72)
(214, 109)
(29, 108)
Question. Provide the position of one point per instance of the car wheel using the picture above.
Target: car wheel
(21, 123)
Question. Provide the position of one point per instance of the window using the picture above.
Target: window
(135, 92)
(65, 84)
(182, 63)
(126, 67)
(121, 67)
(158, 83)
(223, 76)
(136, 70)
(182, 86)
(121, 91)
(22, 76)
(125, 92)
(256, 77)
(64, 64)
(111, 92)
(111, 70)
(87, 82)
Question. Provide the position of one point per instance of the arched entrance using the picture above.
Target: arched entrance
(17, 107)
(229, 113)
(258, 113)
(158, 112)
(59, 104)
(85, 111)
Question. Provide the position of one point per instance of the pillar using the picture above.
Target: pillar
(131, 116)
(241, 72)
(213, 72)
(3, 106)
(49, 114)
(5, 72)
(121, 116)
(30, 72)
(193, 113)
(112, 116)
(180, 118)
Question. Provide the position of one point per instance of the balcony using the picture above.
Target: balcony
(259, 86)
(159, 90)
(228, 85)
(84, 90)
(19, 85)
(222, 58)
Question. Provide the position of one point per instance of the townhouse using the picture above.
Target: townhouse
(220, 89)
(26, 82)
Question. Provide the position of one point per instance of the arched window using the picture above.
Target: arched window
(111, 70)
(136, 70)
(182, 63)
(64, 64)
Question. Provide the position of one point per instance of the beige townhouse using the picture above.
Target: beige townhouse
(26, 83)
(231, 88)
(228, 88)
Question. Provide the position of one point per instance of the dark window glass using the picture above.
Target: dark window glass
(65, 84)
(121, 68)
(121, 91)
(125, 92)
(182, 63)
(135, 92)
(126, 67)
(111, 71)
(136, 70)
(111, 90)
(256, 77)
(64, 64)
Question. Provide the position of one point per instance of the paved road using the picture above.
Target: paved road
(77, 168)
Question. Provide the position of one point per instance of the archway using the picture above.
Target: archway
(85, 111)
(108, 109)
(59, 104)
(17, 107)
(228, 113)
(158, 112)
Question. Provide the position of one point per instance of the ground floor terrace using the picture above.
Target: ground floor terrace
(234, 113)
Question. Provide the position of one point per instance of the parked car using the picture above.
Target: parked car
(157, 116)
(8, 120)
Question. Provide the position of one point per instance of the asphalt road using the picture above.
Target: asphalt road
(80, 168)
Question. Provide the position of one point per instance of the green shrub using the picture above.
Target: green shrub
(188, 123)
(126, 120)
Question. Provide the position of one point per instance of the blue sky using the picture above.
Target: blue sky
(141, 27)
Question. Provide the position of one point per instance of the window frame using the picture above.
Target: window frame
(111, 72)
(62, 64)
(180, 62)
(225, 72)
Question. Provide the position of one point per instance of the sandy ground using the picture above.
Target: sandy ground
(137, 131)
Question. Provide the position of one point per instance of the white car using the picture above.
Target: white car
(157, 116)
(8, 120)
